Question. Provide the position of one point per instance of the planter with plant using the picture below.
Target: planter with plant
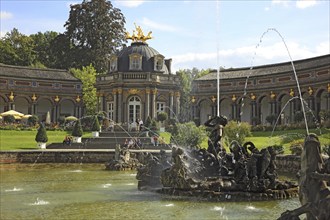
(96, 127)
(41, 137)
(77, 132)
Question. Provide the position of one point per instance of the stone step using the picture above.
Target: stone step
(101, 146)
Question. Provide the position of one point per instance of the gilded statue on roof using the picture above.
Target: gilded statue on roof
(138, 35)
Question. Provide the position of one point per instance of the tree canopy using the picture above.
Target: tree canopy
(95, 29)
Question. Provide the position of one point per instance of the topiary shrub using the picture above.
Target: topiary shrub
(77, 129)
(41, 136)
(148, 122)
(162, 116)
(96, 124)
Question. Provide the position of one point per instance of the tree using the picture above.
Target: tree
(162, 116)
(96, 124)
(42, 44)
(188, 135)
(186, 77)
(88, 78)
(17, 49)
(95, 29)
(77, 129)
(41, 136)
(236, 131)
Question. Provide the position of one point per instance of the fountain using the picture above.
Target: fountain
(244, 174)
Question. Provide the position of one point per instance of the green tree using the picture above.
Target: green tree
(95, 29)
(41, 136)
(96, 124)
(42, 44)
(236, 131)
(186, 77)
(17, 49)
(88, 78)
(188, 135)
(77, 129)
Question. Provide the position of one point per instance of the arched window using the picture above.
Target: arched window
(135, 62)
(158, 62)
(134, 109)
(113, 63)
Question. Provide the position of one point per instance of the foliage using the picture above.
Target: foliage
(162, 116)
(88, 77)
(42, 48)
(271, 119)
(237, 131)
(298, 116)
(33, 120)
(96, 124)
(186, 77)
(324, 115)
(41, 135)
(296, 147)
(16, 49)
(95, 28)
(154, 126)
(77, 129)
(188, 135)
(148, 122)
(278, 149)
(9, 119)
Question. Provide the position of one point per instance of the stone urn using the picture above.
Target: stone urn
(95, 134)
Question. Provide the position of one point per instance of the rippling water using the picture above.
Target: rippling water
(87, 191)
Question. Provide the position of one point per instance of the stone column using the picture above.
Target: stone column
(114, 93)
(177, 97)
(234, 110)
(171, 104)
(120, 103)
(154, 95)
(147, 110)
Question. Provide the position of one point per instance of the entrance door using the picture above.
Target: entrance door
(134, 109)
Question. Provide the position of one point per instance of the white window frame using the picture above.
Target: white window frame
(135, 61)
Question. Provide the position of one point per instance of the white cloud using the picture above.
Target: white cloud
(284, 3)
(130, 3)
(158, 26)
(248, 56)
(267, 8)
(5, 15)
(3, 33)
(305, 3)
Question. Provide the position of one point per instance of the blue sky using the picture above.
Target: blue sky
(201, 34)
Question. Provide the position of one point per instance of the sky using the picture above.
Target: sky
(201, 34)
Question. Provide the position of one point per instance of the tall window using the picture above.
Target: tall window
(134, 109)
(135, 61)
(110, 110)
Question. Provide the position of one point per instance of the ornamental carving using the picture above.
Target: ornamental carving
(120, 91)
(253, 96)
(133, 91)
(272, 95)
(138, 35)
(177, 94)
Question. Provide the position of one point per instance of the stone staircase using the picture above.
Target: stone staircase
(108, 140)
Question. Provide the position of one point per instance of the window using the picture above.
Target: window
(113, 63)
(34, 84)
(135, 61)
(158, 62)
(110, 110)
(160, 106)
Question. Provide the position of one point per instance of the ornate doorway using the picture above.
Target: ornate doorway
(134, 109)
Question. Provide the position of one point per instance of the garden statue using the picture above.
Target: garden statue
(314, 193)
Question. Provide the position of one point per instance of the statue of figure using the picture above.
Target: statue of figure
(314, 193)
(217, 123)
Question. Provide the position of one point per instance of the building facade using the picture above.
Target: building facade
(139, 83)
(252, 94)
(38, 91)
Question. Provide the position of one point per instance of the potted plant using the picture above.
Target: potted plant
(96, 127)
(162, 116)
(77, 132)
(41, 137)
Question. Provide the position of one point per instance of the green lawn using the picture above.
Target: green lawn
(17, 140)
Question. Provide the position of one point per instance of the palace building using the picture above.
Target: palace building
(139, 83)
(252, 94)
